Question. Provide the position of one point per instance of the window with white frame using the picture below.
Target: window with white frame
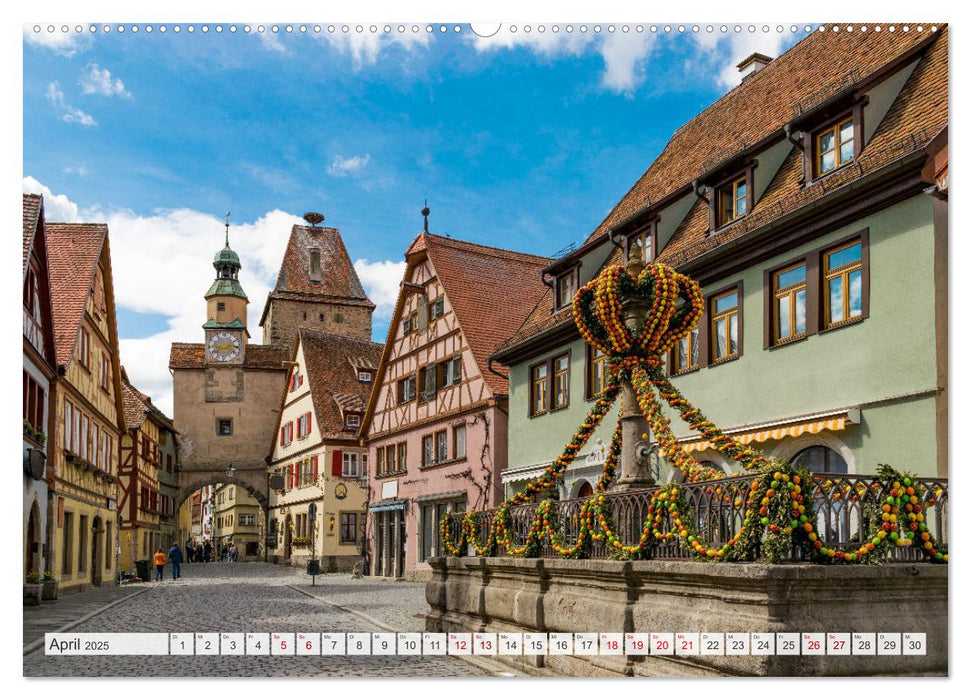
(352, 465)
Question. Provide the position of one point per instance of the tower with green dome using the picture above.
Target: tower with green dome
(226, 303)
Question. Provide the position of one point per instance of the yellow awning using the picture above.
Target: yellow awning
(812, 425)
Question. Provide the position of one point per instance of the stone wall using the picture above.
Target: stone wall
(286, 316)
(510, 595)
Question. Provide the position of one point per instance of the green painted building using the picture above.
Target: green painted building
(810, 203)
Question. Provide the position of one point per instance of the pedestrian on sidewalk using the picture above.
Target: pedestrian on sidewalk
(159, 564)
(233, 553)
(207, 552)
(175, 556)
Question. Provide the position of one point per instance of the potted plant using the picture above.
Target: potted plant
(49, 585)
(32, 589)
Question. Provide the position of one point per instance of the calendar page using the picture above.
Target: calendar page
(358, 347)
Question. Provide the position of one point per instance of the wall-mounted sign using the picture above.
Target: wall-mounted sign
(340, 491)
(389, 489)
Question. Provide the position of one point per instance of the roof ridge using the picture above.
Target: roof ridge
(336, 336)
(498, 252)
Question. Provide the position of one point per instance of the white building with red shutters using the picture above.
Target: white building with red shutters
(317, 467)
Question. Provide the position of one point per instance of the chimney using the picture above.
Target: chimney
(753, 64)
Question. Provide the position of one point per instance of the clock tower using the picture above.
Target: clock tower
(226, 303)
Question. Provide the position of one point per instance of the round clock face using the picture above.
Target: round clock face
(223, 346)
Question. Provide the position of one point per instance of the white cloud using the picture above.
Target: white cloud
(79, 170)
(547, 43)
(381, 280)
(75, 115)
(186, 240)
(625, 57)
(270, 40)
(64, 43)
(70, 114)
(365, 47)
(57, 207)
(624, 53)
(342, 167)
(98, 81)
(728, 50)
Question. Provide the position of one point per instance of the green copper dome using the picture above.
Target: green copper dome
(226, 255)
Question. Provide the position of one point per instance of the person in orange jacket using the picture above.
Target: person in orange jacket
(160, 560)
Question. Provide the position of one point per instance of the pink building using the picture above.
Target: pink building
(436, 420)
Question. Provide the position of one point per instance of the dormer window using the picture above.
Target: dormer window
(314, 271)
(352, 421)
(834, 146)
(731, 200)
(566, 288)
(645, 239)
(365, 376)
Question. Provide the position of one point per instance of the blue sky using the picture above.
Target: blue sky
(521, 140)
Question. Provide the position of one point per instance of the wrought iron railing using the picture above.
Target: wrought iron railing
(846, 507)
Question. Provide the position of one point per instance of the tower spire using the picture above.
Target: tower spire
(425, 212)
(227, 228)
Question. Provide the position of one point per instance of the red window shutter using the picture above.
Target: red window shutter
(292, 377)
(338, 462)
(315, 467)
(281, 436)
(308, 423)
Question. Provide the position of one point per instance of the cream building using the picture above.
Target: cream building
(316, 459)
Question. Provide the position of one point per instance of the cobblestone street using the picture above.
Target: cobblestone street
(252, 597)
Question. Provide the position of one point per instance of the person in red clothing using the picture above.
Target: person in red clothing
(160, 560)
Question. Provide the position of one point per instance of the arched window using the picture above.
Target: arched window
(585, 490)
(820, 459)
(708, 464)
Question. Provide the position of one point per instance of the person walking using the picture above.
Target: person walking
(207, 552)
(175, 556)
(233, 553)
(159, 564)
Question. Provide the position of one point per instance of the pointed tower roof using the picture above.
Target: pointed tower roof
(227, 267)
(337, 280)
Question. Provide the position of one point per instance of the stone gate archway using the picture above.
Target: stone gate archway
(253, 481)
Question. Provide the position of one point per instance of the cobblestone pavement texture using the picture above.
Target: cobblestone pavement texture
(52, 615)
(254, 597)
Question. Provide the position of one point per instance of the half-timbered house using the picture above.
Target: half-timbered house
(316, 462)
(141, 503)
(436, 421)
(88, 404)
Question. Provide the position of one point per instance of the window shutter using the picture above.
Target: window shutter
(423, 313)
(315, 467)
(338, 465)
(307, 427)
(430, 380)
(281, 435)
(293, 474)
(292, 377)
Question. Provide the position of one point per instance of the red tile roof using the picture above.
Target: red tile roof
(813, 70)
(135, 408)
(32, 209)
(757, 108)
(193, 356)
(73, 251)
(332, 362)
(491, 291)
(339, 280)
(138, 405)
(917, 114)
